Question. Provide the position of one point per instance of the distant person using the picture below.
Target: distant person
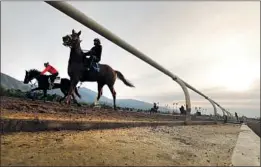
(236, 115)
(154, 105)
(154, 108)
(53, 71)
(182, 110)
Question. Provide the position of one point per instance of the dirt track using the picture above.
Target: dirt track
(179, 145)
(27, 109)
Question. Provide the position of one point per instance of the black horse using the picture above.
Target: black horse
(77, 69)
(43, 84)
(154, 109)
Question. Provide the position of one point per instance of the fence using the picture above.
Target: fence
(90, 23)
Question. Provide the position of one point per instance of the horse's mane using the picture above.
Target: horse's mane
(34, 71)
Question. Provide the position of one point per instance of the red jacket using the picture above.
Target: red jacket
(50, 69)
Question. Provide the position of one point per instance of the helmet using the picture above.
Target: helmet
(46, 64)
(96, 40)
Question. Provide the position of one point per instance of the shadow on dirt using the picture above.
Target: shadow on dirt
(255, 126)
(18, 125)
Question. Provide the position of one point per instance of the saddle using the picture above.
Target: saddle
(57, 80)
(92, 65)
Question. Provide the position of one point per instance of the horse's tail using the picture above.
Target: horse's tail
(76, 92)
(121, 77)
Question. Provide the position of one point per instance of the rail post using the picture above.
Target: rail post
(215, 109)
(187, 98)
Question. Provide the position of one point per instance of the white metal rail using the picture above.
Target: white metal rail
(90, 23)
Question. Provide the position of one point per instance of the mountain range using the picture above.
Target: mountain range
(88, 96)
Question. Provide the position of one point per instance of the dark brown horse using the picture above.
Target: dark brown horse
(77, 69)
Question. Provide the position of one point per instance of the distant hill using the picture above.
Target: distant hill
(88, 95)
(12, 83)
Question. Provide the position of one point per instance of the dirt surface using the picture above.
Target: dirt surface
(181, 145)
(28, 109)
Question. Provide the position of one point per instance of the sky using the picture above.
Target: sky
(213, 46)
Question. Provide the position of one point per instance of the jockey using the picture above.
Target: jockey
(154, 105)
(95, 54)
(53, 71)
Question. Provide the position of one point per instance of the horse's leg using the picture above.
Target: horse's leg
(100, 86)
(71, 91)
(60, 101)
(75, 101)
(41, 98)
(32, 90)
(114, 96)
(45, 94)
(64, 93)
(35, 89)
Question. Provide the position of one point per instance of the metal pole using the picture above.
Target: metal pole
(90, 23)
(187, 98)
(222, 109)
(215, 109)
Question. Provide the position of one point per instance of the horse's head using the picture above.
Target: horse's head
(30, 75)
(72, 40)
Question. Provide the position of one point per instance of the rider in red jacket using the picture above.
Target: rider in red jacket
(52, 70)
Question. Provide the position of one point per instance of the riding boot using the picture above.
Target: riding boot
(96, 67)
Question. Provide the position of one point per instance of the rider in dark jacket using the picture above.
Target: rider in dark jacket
(95, 54)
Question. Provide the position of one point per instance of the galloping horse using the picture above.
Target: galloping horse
(77, 69)
(43, 84)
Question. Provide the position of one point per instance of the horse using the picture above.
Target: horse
(154, 109)
(77, 69)
(43, 84)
